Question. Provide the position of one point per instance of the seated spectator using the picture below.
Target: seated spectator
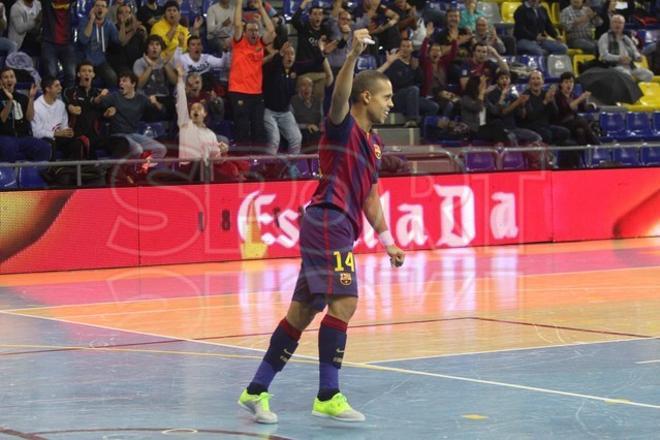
(246, 78)
(407, 17)
(619, 51)
(579, 22)
(307, 111)
(279, 87)
(25, 26)
(486, 34)
(469, 15)
(540, 111)
(480, 65)
(473, 112)
(568, 106)
(16, 114)
(534, 32)
(116, 4)
(219, 25)
(447, 37)
(155, 76)
(196, 61)
(57, 40)
(133, 37)
(406, 77)
(171, 31)
(380, 21)
(51, 123)
(6, 45)
(310, 32)
(502, 104)
(609, 9)
(149, 13)
(96, 34)
(125, 109)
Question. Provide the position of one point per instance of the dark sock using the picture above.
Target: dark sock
(332, 342)
(283, 344)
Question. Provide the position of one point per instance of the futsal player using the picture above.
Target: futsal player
(349, 155)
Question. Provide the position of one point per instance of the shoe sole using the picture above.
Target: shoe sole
(339, 419)
(263, 422)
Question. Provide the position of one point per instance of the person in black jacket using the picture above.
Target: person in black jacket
(534, 32)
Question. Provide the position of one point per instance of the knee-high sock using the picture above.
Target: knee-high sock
(332, 342)
(283, 344)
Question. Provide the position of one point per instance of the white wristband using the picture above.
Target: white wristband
(386, 238)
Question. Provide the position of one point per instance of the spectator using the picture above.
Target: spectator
(16, 114)
(579, 22)
(114, 8)
(469, 15)
(568, 106)
(83, 105)
(6, 45)
(446, 38)
(502, 104)
(171, 31)
(407, 17)
(57, 40)
(25, 26)
(540, 109)
(196, 141)
(149, 13)
(51, 122)
(479, 65)
(195, 93)
(155, 75)
(307, 111)
(133, 37)
(406, 77)
(534, 32)
(340, 32)
(619, 51)
(246, 77)
(219, 26)
(126, 109)
(95, 35)
(486, 34)
(380, 21)
(310, 32)
(279, 87)
(609, 9)
(196, 61)
(473, 112)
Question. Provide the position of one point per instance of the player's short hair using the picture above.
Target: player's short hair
(366, 80)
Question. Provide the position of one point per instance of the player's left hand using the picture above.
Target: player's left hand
(397, 256)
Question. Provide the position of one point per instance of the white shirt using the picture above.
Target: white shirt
(194, 142)
(215, 16)
(48, 118)
(205, 63)
(22, 19)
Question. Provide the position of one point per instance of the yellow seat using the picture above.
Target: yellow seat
(581, 58)
(554, 19)
(508, 9)
(650, 101)
(643, 62)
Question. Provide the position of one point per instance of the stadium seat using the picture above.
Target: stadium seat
(599, 155)
(514, 160)
(650, 101)
(508, 9)
(158, 129)
(554, 19)
(30, 177)
(613, 125)
(581, 58)
(650, 155)
(366, 62)
(491, 11)
(638, 125)
(480, 161)
(656, 124)
(558, 64)
(628, 156)
(8, 178)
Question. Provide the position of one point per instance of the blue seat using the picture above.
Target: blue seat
(656, 124)
(158, 128)
(613, 126)
(514, 160)
(638, 125)
(629, 156)
(599, 156)
(366, 62)
(480, 161)
(30, 177)
(650, 155)
(8, 178)
(533, 62)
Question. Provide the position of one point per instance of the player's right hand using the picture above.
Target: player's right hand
(358, 45)
(397, 256)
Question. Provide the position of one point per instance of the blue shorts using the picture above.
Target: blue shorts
(328, 265)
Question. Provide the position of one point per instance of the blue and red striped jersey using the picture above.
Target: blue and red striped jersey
(349, 160)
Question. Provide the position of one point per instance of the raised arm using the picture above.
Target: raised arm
(268, 36)
(181, 99)
(339, 105)
(238, 20)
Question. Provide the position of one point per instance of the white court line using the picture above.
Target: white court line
(378, 367)
(653, 361)
(506, 350)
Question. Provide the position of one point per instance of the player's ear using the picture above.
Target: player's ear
(366, 97)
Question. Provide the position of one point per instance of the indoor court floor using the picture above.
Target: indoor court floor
(516, 342)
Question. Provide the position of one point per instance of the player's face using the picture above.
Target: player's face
(380, 102)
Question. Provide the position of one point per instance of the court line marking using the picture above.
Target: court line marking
(652, 361)
(398, 370)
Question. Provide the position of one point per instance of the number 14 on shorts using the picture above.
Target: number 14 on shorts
(343, 261)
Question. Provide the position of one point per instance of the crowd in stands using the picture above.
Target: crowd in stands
(94, 73)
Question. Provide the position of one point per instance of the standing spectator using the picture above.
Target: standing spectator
(406, 78)
(149, 13)
(25, 26)
(534, 32)
(609, 9)
(619, 51)
(126, 109)
(480, 65)
(246, 77)
(16, 114)
(57, 40)
(486, 34)
(310, 32)
(155, 75)
(307, 111)
(51, 122)
(341, 35)
(579, 22)
(95, 35)
(407, 23)
(540, 111)
(196, 61)
(213, 103)
(469, 15)
(171, 31)
(434, 61)
(380, 21)
(6, 45)
(447, 37)
(219, 26)
(133, 37)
